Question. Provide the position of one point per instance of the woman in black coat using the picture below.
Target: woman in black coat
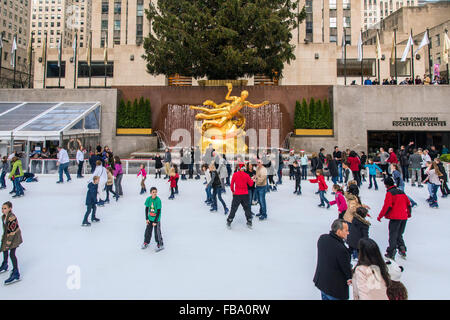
(158, 165)
(359, 229)
(314, 163)
(332, 168)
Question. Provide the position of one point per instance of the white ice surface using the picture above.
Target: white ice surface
(202, 258)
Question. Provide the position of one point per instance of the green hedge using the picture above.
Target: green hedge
(135, 115)
(315, 115)
(445, 158)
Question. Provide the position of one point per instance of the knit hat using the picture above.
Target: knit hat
(241, 164)
(395, 271)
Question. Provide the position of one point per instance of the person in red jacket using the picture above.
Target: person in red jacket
(239, 187)
(173, 179)
(392, 159)
(396, 208)
(354, 164)
(322, 188)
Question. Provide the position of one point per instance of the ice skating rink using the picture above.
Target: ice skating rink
(202, 259)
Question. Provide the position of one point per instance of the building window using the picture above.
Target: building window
(97, 69)
(438, 40)
(117, 6)
(53, 69)
(116, 25)
(346, 4)
(354, 68)
(403, 68)
(105, 7)
(332, 4)
(333, 35)
(333, 22)
(104, 24)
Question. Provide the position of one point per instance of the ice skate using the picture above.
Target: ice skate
(3, 267)
(95, 220)
(228, 224)
(249, 225)
(14, 277)
(159, 248)
(86, 224)
(402, 254)
(144, 246)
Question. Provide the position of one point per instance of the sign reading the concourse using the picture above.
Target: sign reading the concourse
(419, 122)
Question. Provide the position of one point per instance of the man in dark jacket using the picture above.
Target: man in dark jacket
(333, 271)
(91, 201)
(396, 208)
(403, 156)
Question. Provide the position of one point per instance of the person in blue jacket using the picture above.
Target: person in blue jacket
(373, 167)
(91, 201)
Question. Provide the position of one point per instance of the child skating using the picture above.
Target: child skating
(153, 219)
(373, 167)
(143, 175)
(91, 202)
(173, 180)
(109, 185)
(339, 200)
(11, 239)
(322, 188)
(298, 178)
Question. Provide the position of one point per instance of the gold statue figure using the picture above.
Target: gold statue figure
(225, 117)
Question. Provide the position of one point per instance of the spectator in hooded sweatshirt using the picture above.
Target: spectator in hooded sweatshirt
(396, 208)
(333, 271)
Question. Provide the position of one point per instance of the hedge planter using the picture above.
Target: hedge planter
(221, 83)
(133, 132)
(314, 132)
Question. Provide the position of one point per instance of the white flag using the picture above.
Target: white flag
(360, 53)
(446, 48)
(378, 48)
(13, 53)
(425, 42)
(59, 53)
(343, 47)
(408, 46)
(74, 47)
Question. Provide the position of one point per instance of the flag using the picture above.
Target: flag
(360, 53)
(105, 54)
(425, 42)
(446, 48)
(393, 50)
(44, 51)
(343, 46)
(29, 50)
(378, 48)
(408, 46)
(74, 47)
(59, 52)
(88, 52)
(13, 52)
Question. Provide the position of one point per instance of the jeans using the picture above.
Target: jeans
(374, 178)
(416, 175)
(340, 172)
(208, 193)
(80, 168)
(261, 194)
(108, 190)
(64, 167)
(118, 184)
(90, 207)
(280, 175)
(304, 171)
(2, 179)
(251, 195)
(323, 199)
(327, 297)
(434, 189)
(217, 192)
(413, 203)
(405, 173)
(335, 180)
(17, 186)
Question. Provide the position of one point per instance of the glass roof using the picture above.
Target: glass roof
(23, 114)
(5, 106)
(58, 118)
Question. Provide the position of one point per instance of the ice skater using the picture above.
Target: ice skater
(100, 171)
(207, 173)
(5, 168)
(11, 239)
(143, 175)
(322, 188)
(339, 200)
(109, 185)
(217, 185)
(91, 202)
(173, 180)
(158, 166)
(240, 181)
(373, 167)
(16, 176)
(63, 163)
(298, 178)
(153, 208)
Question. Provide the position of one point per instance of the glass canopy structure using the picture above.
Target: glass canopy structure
(40, 121)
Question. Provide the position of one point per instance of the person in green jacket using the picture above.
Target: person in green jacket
(16, 176)
(153, 219)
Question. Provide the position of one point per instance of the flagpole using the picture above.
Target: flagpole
(30, 58)
(378, 60)
(15, 56)
(362, 60)
(345, 59)
(446, 32)
(429, 55)
(1, 53)
(90, 57)
(395, 49)
(75, 63)
(106, 48)
(59, 62)
(45, 58)
(412, 59)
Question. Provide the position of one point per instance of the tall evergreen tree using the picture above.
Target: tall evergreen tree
(312, 114)
(305, 115)
(298, 115)
(221, 39)
(328, 114)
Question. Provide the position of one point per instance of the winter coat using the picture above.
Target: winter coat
(167, 157)
(321, 181)
(315, 164)
(368, 284)
(444, 173)
(158, 163)
(396, 205)
(291, 159)
(173, 180)
(16, 170)
(354, 163)
(91, 195)
(352, 204)
(339, 199)
(403, 156)
(117, 169)
(142, 173)
(304, 160)
(251, 174)
(332, 167)
(373, 169)
(5, 167)
(383, 157)
(415, 161)
(261, 177)
(215, 180)
(223, 172)
(433, 177)
(240, 182)
(110, 179)
(333, 266)
(392, 158)
(358, 230)
(12, 236)
(397, 176)
(100, 171)
(297, 173)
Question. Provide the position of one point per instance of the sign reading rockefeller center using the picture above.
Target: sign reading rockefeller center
(419, 122)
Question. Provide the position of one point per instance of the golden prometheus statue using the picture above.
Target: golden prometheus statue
(223, 125)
